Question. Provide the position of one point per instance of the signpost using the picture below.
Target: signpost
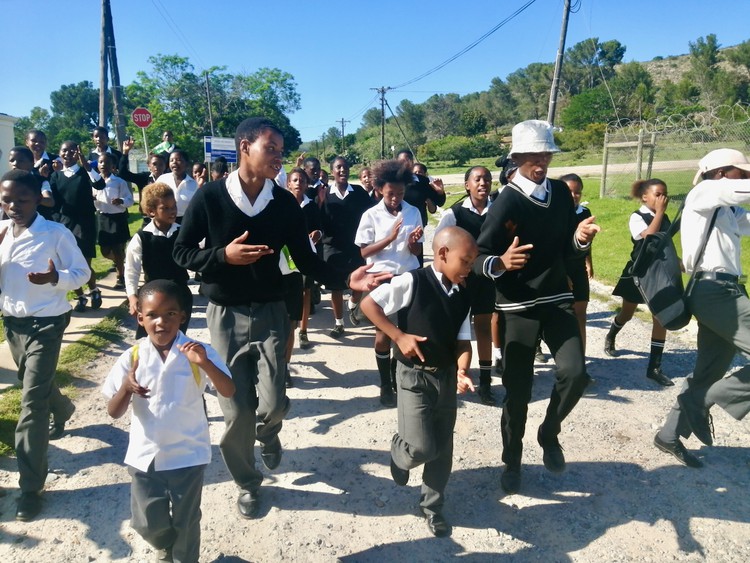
(219, 146)
(142, 118)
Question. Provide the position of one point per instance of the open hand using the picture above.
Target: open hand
(41, 278)
(361, 280)
(132, 384)
(237, 253)
(194, 352)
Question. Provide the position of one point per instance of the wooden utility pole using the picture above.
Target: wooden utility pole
(118, 110)
(558, 65)
(382, 90)
(343, 140)
(103, 70)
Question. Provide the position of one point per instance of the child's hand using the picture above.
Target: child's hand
(464, 382)
(127, 145)
(132, 384)
(238, 254)
(409, 345)
(396, 228)
(133, 305)
(587, 230)
(415, 235)
(118, 201)
(194, 352)
(361, 280)
(315, 236)
(2, 234)
(516, 256)
(45, 170)
(57, 166)
(41, 278)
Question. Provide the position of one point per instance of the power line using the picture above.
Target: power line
(164, 13)
(467, 48)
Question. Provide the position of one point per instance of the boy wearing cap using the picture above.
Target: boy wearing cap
(718, 300)
(528, 233)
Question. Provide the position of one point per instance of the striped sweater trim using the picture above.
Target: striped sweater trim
(524, 305)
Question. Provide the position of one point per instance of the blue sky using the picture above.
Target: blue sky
(338, 50)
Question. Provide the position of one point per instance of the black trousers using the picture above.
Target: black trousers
(559, 329)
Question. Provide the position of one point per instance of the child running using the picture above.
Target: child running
(164, 376)
(390, 237)
(649, 219)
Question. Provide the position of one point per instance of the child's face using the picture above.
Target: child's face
(19, 202)
(364, 177)
(100, 139)
(263, 155)
(479, 184)
(393, 195)
(340, 172)
(37, 143)
(160, 316)
(69, 154)
(177, 164)
(651, 194)
(324, 177)
(297, 184)
(105, 166)
(576, 190)
(419, 169)
(199, 170)
(456, 262)
(164, 213)
(313, 171)
(156, 166)
(18, 162)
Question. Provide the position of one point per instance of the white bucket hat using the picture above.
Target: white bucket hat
(533, 136)
(721, 158)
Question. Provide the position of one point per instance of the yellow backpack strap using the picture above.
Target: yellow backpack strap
(133, 354)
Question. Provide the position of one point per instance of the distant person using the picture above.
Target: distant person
(39, 263)
(76, 211)
(649, 219)
(433, 350)
(469, 214)
(167, 146)
(112, 204)
(182, 184)
(718, 300)
(420, 189)
(420, 169)
(529, 231)
(157, 164)
(366, 178)
(219, 169)
(163, 377)
(200, 173)
(36, 141)
(21, 158)
(100, 135)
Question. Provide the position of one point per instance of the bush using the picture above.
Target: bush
(591, 137)
(458, 149)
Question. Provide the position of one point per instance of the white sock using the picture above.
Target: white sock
(339, 322)
(496, 353)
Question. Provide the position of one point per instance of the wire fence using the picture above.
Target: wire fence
(642, 149)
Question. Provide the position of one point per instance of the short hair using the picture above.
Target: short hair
(159, 155)
(341, 158)
(390, 172)
(27, 179)
(31, 132)
(109, 157)
(300, 171)
(154, 192)
(25, 152)
(422, 167)
(470, 170)
(310, 160)
(167, 132)
(165, 287)
(251, 128)
(572, 177)
(640, 187)
(220, 166)
(407, 152)
(100, 129)
(182, 153)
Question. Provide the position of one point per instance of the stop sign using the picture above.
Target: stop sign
(141, 117)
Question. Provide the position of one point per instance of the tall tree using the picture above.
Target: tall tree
(530, 87)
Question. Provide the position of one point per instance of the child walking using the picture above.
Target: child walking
(649, 219)
(432, 336)
(112, 204)
(164, 377)
(39, 263)
(390, 237)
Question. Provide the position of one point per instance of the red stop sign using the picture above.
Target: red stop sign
(141, 117)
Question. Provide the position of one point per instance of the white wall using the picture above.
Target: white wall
(6, 140)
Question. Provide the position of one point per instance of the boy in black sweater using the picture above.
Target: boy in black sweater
(246, 219)
(529, 231)
(433, 354)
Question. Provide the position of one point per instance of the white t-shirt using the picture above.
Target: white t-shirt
(376, 223)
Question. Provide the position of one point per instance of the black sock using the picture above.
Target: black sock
(383, 359)
(485, 372)
(657, 349)
(614, 328)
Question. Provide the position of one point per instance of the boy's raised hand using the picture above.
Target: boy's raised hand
(194, 352)
(132, 385)
(516, 256)
(127, 144)
(361, 280)
(587, 230)
(40, 278)
(237, 253)
(409, 345)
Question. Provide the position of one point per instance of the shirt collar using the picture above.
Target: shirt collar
(439, 277)
(470, 206)
(72, 169)
(154, 230)
(305, 201)
(234, 187)
(335, 191)
(530, 188)
(645, 209)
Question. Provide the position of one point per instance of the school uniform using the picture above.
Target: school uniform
(183, 192)
(246, 314)
(76, 206)
(113, 218)
(425, 306)
(35, 318)
(418, 191)
(718, 301)
(169, 444)
(48, 159)
(150, 251)
(311, 213)
(532, 300)
(340, 218)
(575, 266)
(140, 179)
(376, 224)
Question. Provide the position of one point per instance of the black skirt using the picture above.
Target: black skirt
(113, 229)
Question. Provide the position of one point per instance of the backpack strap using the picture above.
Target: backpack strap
(193, 367)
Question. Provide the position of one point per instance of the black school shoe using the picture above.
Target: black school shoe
(437, 525)
(96, 298)
(29, 506)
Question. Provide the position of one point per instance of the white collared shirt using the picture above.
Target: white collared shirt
(169, 428)
(114, 188)
(637, 224)
(449, 218)
(183, 192)
(72, 170)
(723, 250)
(335, 191)
(31, 252)
(537, 191)
(240, 199)
(376, 224)
(394, 296)
(134, 256)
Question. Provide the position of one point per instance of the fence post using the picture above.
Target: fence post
(605, 156)
(639, 155)
(652, 149)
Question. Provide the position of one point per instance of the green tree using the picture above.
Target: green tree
(530, 87)
(442, 113)
(412, 119)
(633, 91)
(497, 105)
(473, 122)
(371, 118)
(716, 85)
(589, 62)
(590, 106)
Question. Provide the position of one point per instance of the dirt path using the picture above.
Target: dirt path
(332, 497)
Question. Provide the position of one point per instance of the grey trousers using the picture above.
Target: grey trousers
(426, 418)
(723, 313)
(35, 345)
(252, 340)
(166, 509)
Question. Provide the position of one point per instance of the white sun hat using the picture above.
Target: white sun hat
(721, 158)
(533, 136)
